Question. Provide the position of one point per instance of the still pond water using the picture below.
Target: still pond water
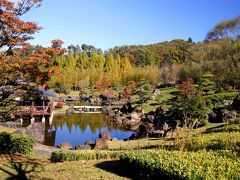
(78, 128)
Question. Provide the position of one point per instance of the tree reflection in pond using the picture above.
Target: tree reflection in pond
(78, 128)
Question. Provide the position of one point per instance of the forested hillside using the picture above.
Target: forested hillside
(159, 64)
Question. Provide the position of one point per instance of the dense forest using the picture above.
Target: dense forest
(163, 63)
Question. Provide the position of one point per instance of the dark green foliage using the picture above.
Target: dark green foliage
(190, 40)
(16, 143)
(215, 100)
(60, 88)
(5, 141)
(144, 92)
(207, 85)
(61, 156)
(7, 105)
(190, 105)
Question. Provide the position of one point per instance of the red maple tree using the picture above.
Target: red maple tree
(21, 64)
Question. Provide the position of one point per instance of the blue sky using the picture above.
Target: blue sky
(109, 23)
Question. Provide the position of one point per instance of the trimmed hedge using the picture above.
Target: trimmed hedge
(216, 141)
(156, 164)
(16, 143)
(68, 155)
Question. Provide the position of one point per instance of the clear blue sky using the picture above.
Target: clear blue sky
(107, 23)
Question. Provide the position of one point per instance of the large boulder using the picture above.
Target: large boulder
(165, 129)
(84, 98)
(105, 101)
(156, 92)
(159, 111)
(111, 113)
(150, 118)
(101, 143)
(90, 143)
(142, 131)
(157, 134)
(236, 103)
(83, 147)
(65, 146)
(11, 124)
(222, 115)
(106, 109)
(127, 108)
(132, 137)
(118, 119)
(105, 135)
(20, 131)
(37, 131)
(134, 116)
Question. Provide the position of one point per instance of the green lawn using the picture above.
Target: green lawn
(2, 128)
(164, 98)
(36, 166)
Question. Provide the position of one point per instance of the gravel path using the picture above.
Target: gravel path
(43, 149)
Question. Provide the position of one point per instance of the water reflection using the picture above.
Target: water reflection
(78, 128)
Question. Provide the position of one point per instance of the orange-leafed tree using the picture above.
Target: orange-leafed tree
(127, 91)
(104, 87)
(23, 67)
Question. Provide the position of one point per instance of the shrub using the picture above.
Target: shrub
(216, 141)
(219, 97)
(22, 144)
(59, 104)
(5, 141)
(61, 156)
(157, 164)
(16, 143)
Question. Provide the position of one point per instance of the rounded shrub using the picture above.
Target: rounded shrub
(16, 143)
(5, 141)
(22, 144)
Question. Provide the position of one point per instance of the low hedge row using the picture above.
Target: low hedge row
(216, 141)
(156, 164)
(68, 155)
(15, 143)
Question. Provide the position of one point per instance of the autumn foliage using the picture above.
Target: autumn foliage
(186, 87)
(21, 63)
(104, 85)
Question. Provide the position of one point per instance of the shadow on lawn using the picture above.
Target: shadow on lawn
(21, 167)
(115, 167)
(222, 128)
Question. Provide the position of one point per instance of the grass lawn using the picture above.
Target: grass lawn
(145, 143)
(6, 129)
(164, 98)
(71, 93)
(36, 166)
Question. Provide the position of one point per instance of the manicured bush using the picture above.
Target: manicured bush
(22, 144)
(59, 105)
(219, 97)
(216, 141)
(157, 164)
(61, 156)
(15, 143)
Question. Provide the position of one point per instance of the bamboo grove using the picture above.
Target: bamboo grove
(84, 70)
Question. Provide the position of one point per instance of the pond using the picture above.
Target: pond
(78, 128)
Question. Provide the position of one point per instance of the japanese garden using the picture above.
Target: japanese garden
(163, 110)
